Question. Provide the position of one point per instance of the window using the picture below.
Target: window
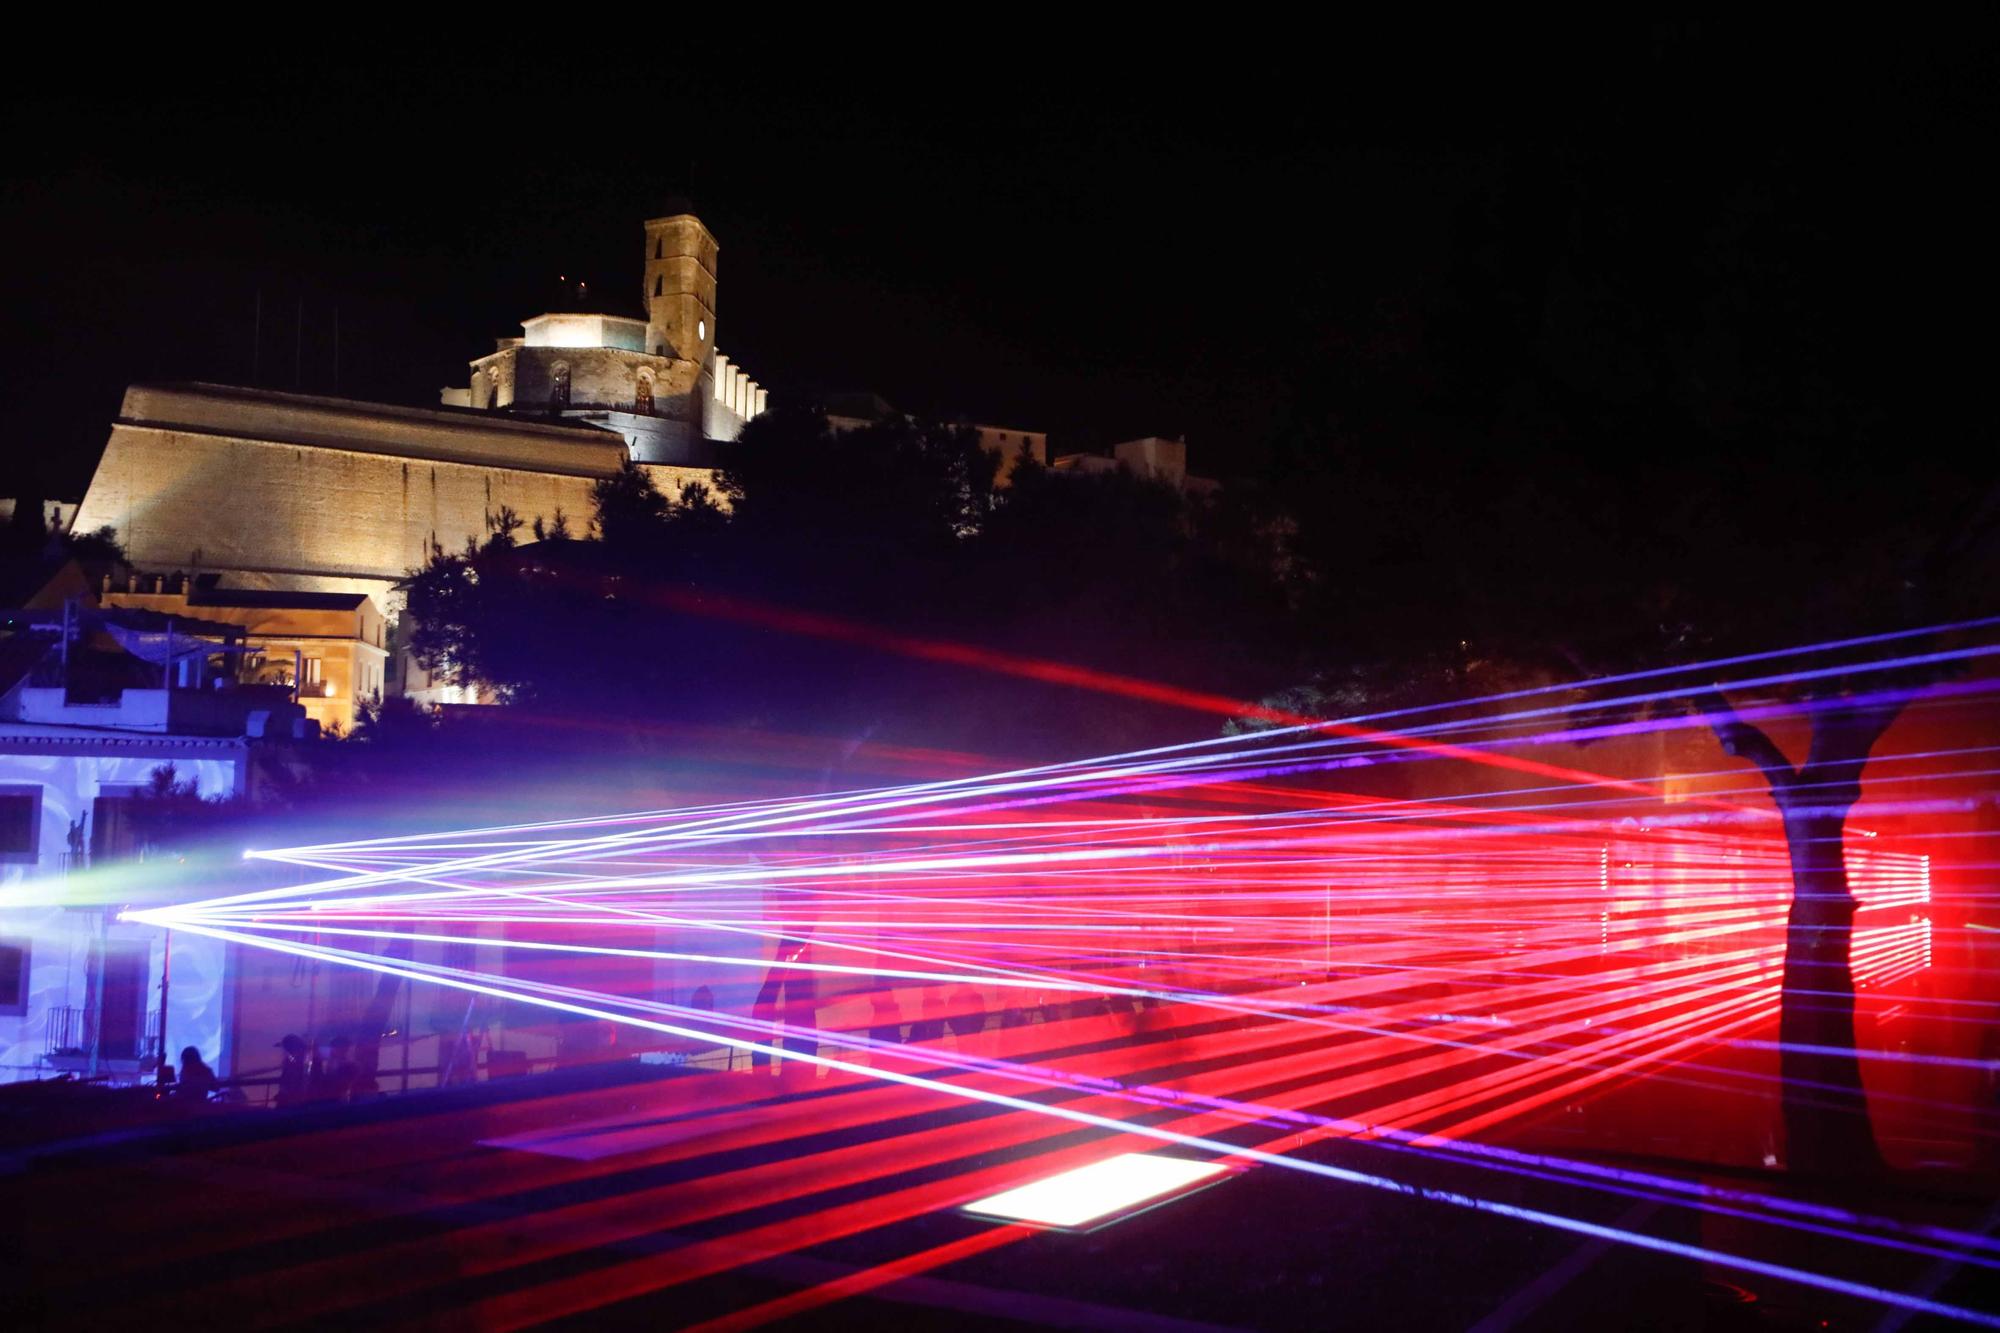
(559, 384)
(659, 285)
(659, 247)
(20, 823)
(118, 972)
(114, 832)
(312, 668)
(13, 977)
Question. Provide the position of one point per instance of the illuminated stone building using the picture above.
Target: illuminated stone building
(253, 493)
(281, 501)
(1149, 456)
(331, 646)
(657, 382)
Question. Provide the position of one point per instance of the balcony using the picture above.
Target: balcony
(67, 1036)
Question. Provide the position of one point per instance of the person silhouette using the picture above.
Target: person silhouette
(342, 1071)
(197, 1082)
(292, 1074)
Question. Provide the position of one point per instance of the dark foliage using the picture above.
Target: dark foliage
(809, 605)
(31, 551)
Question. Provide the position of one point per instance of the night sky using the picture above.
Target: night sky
(1211, 244)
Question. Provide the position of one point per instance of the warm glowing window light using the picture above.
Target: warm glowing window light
(1098, 1193)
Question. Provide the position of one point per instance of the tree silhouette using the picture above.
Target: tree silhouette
(1824, 1103)
(678, 603)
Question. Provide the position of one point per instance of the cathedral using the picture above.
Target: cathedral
(657, 382)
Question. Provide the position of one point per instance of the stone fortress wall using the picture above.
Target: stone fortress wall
(278, 490)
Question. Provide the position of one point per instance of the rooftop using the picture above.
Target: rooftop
(442, 434)
(277, 599)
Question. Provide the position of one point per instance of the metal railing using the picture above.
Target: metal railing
(69, 1032)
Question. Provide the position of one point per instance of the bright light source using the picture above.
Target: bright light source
(1097, 1193)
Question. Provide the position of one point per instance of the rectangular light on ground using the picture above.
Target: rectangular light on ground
(1102, 1192)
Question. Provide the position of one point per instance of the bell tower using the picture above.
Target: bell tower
(680, 289)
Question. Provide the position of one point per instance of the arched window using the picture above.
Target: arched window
(559, 384)
(643, 393)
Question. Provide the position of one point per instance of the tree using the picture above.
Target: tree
(630, 509)
(857, 521)
(170, 813)
(1124, 573)
(96, 549)
(1645, 420)
(793, 607)
(31, 553)
(1902, 577)
(1898, 580)
(1824, 1103)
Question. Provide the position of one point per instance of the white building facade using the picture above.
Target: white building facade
(81, 992)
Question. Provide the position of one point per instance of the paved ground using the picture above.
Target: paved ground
(619, 1197)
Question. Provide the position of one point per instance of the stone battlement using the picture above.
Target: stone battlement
(279, 490)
